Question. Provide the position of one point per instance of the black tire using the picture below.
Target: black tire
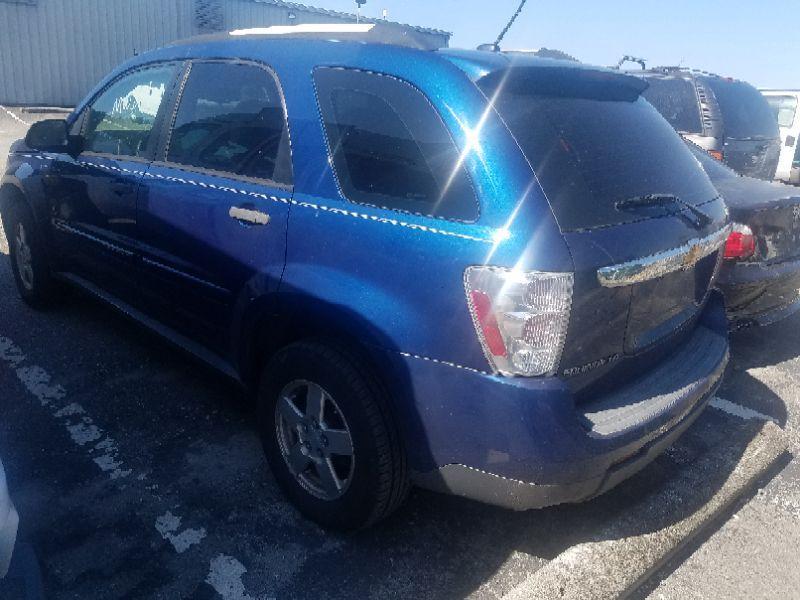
(379, 481)
(36, 286)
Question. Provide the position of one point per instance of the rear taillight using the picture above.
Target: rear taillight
(521, 317)
(741, 243)
(718, 154)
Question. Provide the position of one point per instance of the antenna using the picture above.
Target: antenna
(496, 46)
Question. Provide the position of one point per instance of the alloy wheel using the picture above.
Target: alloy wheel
(24, 257)
(314, 439)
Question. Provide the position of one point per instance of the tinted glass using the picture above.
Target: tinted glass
(675, 98)
(783, 107)
(594, 147)
(745, 112)
(715, 170)
(389, 146)
(231, 118)
(121, 119)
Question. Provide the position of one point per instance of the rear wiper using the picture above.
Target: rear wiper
(646, 200)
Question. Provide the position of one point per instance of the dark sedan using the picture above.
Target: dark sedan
(760, 277)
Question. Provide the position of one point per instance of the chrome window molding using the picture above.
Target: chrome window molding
(657, 265)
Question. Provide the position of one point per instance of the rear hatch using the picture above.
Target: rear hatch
(752, 143)
(640, 216)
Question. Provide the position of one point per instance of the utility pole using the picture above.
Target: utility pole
(359, 3)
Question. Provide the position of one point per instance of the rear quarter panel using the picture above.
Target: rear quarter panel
(401, 275)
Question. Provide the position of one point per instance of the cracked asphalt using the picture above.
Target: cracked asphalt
(137, 473)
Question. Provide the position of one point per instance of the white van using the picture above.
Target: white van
(786, 106)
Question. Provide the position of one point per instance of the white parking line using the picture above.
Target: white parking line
(168, 524)
(225, 571)
(81, 428)
(225, 576)
(737, 410)
(13, 116)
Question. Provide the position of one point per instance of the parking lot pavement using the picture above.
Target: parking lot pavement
(138, 473)
(754, 553)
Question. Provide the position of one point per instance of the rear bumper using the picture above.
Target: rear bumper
(760, 294)
(521, 495)
(524, 443)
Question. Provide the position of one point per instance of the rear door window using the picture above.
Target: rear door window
(745, 112)
(596, 146)
(121, 120)
(231, 119)
(389, 146)
(676, 99)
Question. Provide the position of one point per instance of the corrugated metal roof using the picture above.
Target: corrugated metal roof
(343, 15)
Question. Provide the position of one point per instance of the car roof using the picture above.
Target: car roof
(291, 46)
(379, 38)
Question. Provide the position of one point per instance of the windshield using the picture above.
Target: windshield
(783, 107)
(593, 147)
(745, 112)
(675, 98)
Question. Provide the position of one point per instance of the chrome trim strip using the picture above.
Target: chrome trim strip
(62, 226)
(168, 269)
(657, 265)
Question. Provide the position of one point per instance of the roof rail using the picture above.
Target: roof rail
(628, 58)
(374, 33)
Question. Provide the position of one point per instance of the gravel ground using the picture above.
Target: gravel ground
(138, 473)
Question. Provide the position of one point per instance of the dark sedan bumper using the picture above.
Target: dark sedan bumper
(759, 293)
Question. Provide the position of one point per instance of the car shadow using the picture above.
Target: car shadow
(435, 546)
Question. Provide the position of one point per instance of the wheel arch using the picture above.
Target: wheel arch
(10, 193)
(288, 318)
(274, 322)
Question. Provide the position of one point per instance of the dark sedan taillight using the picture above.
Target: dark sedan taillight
(741, 243)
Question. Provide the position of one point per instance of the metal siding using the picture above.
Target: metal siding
(246, 13)
(58, 50)
(61, 49)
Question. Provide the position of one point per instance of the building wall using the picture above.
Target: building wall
(52, 52)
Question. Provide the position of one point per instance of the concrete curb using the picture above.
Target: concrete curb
(616, 566)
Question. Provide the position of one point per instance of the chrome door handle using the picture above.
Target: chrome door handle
(248, 215)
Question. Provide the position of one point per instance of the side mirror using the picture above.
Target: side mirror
(51, 135)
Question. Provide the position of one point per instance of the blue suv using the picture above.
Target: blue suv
(482, 273)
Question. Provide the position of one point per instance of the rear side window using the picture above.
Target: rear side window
(675, 98)
(231, 119)
(784, 108)
(120, 121)
(595, 144)
(745, 112)
(389, 146)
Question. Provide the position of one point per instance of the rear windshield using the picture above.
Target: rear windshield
(675, 98)
(715, 170)
(595, 145)
(745, 112)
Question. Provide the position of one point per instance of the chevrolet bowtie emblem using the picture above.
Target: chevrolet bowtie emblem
(692, 256)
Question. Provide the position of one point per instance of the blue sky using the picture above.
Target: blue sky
(754, 40)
